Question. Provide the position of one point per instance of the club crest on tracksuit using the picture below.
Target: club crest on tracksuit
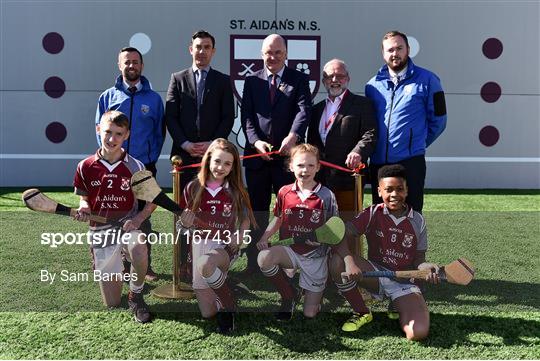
(145, 109)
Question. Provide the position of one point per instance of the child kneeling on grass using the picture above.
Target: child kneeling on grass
(300, 208)
(219, 201)
(397, 241)
(103, 183)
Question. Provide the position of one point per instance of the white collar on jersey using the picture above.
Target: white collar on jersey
(397, 220)
(304, 194)
(109, 166)
(214, 192)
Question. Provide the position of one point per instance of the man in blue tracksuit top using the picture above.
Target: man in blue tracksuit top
(411, 114)
(133, 96)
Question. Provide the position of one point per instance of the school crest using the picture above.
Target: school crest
(145, 109)
(407, 240)
(315, 216)
(303, 54)
(227, 210)
(125, 184)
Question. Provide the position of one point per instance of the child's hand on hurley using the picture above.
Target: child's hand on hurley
(187, 218)
(433, 276)
(262, 244)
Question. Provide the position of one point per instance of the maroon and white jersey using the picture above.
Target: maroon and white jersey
(107, 186)
(392, 242)
(215, 210)
(301, 213)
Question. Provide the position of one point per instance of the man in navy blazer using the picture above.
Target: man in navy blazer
(276, 105)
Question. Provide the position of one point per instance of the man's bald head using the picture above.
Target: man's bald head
(274, 52)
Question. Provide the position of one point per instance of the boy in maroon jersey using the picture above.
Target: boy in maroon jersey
(217, 197)
(397, 241)
(103, 183)
(300, 208)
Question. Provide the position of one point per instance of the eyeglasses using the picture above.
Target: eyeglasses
(339, 77)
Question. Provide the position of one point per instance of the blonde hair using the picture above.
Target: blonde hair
(241, 204)
(305, 148)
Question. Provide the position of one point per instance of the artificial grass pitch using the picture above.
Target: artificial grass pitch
(496, 317)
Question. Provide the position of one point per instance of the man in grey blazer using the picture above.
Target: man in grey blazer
(199, 106)
(344, 128)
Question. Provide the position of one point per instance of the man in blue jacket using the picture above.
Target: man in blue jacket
(411, 114)
(133, 96)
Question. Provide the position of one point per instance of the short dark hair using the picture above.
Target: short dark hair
(203, 34)
(131, 49)
(393, 33)
(393, 170)
(115, 117)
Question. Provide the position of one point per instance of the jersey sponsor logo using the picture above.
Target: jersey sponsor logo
(110, 175)
(145, 109)
(315, 216)
(407, 240)
(379, 233)
(396, 230)
(227, 210)
(125, 184)
(95, 183)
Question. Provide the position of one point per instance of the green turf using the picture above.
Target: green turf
(496, 317)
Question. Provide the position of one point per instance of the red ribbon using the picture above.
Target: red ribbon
(335, 166)
(326, 164)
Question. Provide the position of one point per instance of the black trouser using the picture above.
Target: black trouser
(261, 184)
(416, 175)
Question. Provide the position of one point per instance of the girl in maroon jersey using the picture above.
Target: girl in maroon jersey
(218, 199)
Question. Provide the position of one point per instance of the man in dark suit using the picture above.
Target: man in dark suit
(200, 105)
(344, 128)
(276, 104)
(199, 109)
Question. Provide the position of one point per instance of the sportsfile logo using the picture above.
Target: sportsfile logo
(115, 236)
(94, 239)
